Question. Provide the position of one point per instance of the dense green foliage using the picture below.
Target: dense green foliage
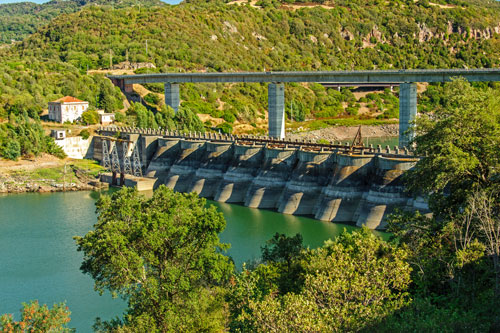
(184, 120)
(455, 254)
(351, 35)
(24, 136)
(461, 137)
(348, 283)
(18, 20)
(163, 256)
(28, 84)
(36, 318)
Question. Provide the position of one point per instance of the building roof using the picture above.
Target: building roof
(68, 99)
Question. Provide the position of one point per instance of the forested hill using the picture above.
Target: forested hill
(218, 36)
(19, 20)
(255, 36)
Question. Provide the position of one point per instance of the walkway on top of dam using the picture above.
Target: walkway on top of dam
(356, 76)
(110, 133)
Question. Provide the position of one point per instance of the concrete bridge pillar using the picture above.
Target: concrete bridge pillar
(276, 106)
(172, 98)
(407, 111)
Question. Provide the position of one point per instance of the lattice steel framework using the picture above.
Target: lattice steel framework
(127, 166)
(137, 163)
(131, 159)
(115, 159)
(106, 161)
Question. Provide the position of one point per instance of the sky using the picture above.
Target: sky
(42, 1)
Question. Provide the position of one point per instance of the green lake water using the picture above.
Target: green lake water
(38, 257)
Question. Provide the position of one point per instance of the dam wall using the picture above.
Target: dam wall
(359, 186)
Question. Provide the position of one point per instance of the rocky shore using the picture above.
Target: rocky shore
(43, 188)
(46, 174)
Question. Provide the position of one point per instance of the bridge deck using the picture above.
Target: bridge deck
(349, 77)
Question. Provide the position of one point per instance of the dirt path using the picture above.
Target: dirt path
(42, 161)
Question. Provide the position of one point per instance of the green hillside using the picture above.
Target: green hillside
(265, 35)
(214, 36)
(19, 20)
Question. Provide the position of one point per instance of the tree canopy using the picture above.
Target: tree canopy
(461, 141)
(163, 256)
(348, 283)
(38, 318)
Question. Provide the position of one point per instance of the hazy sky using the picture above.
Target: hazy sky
(42, 1)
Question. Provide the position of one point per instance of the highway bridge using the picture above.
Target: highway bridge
(406, 79)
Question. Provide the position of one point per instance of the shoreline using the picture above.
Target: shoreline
(47, 174)
(36, 188)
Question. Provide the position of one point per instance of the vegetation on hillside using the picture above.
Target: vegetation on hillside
(22, 136)
(215, 36)
(221, 37)
(19, 20)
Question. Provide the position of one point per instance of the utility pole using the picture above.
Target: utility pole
(110, 59)
(64, 178)
(146, 48)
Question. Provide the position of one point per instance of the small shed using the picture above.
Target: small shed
(106, 118)
(58, 134)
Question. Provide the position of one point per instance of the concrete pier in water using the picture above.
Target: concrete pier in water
(330, 183)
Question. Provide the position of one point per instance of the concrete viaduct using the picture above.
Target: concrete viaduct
(406, 79)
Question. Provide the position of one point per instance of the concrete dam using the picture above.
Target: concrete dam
(337, 183)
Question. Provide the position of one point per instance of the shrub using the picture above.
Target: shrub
(225, 128)
(85, 134)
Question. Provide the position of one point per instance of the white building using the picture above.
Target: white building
(74, 146)
(67, 109)
(106, 118)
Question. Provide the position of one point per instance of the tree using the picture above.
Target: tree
(12, 150)
(187, 120)
(90, 117)
(163, 256)
(483, 211)
(285, 253)
(350, 282)
(461, 140)
(36, 318)
(455, 253)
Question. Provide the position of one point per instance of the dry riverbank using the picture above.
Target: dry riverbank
(47, 173)
(343, 133)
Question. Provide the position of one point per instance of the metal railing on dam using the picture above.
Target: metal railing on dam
(338, 183)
